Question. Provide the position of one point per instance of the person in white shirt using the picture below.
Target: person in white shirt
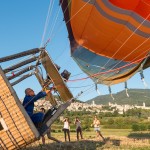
(78, 128)
(66, 128)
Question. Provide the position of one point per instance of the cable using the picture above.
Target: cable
(62, 52)
(76, 75)
(83, 86)
(96, 74)
(125, 43)
(47, 21)
(53, 35)
(55, 21)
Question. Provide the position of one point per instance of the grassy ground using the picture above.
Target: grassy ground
(116, 139)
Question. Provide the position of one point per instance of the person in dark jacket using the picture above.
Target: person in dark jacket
(28, 104)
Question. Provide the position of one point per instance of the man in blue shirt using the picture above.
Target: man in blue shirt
(28, 104)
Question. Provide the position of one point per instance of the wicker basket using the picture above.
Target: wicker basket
(16, 127)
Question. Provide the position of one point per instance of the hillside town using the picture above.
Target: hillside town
(79, 106)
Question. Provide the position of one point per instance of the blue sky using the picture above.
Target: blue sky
(21, 28)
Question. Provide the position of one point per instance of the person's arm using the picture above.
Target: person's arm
(30, 99)
(38, 96)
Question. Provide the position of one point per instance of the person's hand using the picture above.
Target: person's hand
(47, 91)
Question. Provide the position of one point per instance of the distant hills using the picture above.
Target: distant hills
(136, 97)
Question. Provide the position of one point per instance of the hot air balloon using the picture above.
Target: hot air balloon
(109, 39)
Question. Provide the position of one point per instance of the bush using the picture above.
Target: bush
(86, 127)
(53, 130)
(135, 127)
(118, 123)
(143, 127)
(59, 130)
(110, 121)
(148, 127)
(72, 130)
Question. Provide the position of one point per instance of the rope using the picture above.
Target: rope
(96, 88)
(82, 86)
(26, 69)
(76, 75)
(55, 21)
(88, 91)
(24, 59)
(109, 88)
(96, 74)
(47, 21)
(70, 19)
(142, 78)
(62, 51)
(18, 65)
(127, 41)
(123, 43)
(21, 79)
(126, 88)
(124, 65)
(111, 95)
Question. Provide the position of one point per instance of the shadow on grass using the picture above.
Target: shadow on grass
(139, 135)
(78, 145)
(81, 145)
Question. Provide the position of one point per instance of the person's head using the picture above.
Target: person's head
(95, 117)
(66, 119)
(42, 110)
(29, 92)
(77, 119)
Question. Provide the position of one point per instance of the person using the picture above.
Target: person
(43, 138)
(78, 128)
(28, 104)
(96, 124)
(48, 131)
(66, 128)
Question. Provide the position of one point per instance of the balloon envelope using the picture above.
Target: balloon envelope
(109, 38)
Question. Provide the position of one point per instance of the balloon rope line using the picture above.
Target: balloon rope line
(47, 21)
(96, 74)
(70, 18)
(127, 41)
(54, 23)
